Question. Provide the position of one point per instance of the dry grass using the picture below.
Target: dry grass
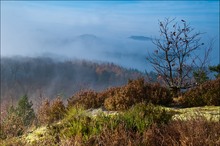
(194, 132)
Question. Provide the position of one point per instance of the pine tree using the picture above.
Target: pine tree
(200, 76)
(25, 110)
(17, 118)
(215, 69)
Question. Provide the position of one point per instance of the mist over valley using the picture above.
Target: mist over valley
(58, 48)
(47, 77)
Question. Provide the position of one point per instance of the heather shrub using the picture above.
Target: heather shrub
(128, 95)
(13, 141)
(197, 131)
(157, 94)
(137, 91)
(57, 109)
(91, 99)
(51, 112)
(207, 93)
(122, 98)
(12, 125)
(108, 93)
(43, 113)
(119, 102)
(87, 99)
(120, 136)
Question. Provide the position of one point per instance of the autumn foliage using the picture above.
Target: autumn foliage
(51, 111)
(207, 93)
(122, 98)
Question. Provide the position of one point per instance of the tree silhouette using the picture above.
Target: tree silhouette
(175, 58)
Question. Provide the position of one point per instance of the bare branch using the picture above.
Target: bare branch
(175, 56)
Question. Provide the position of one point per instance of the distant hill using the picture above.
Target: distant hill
(87, 36)
(48, 77)
(124, 51)
(140, 38)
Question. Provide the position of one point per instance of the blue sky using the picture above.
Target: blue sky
(27, 27)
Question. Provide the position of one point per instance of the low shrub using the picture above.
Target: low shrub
(128, 95)
(12, 125)
(87, 99)
(122, 98)
(137, 91)
(120, 136)
(57, 109)
(43, 113)
(197, 131)
(207, 93)
(141, 116)
(13, 141)
(50, 112)
(91, 99)
(157, 94)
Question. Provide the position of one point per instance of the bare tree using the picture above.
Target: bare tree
(175, 56)
(201, 65)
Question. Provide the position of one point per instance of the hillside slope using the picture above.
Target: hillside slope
(47, 77)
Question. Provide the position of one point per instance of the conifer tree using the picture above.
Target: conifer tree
(25, 110)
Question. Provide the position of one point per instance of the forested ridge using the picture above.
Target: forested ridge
(47, 77)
